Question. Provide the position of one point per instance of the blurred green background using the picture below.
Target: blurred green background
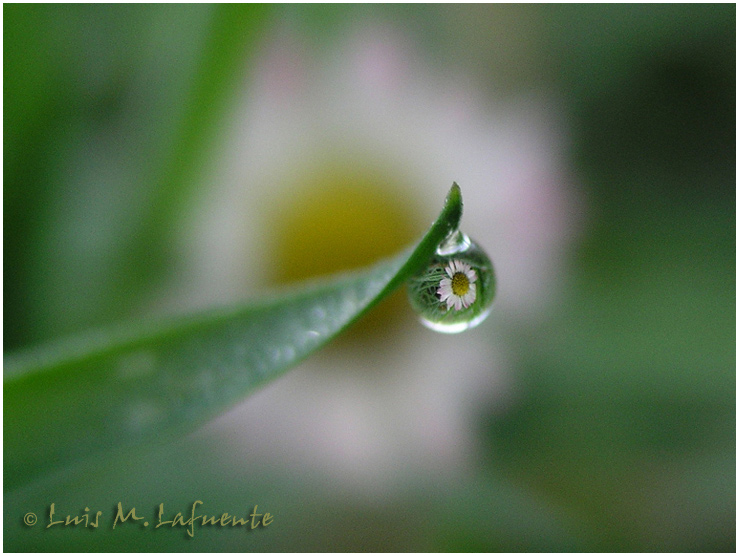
(621, 432)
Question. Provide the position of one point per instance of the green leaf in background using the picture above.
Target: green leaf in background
(232, 30)
(114, 390)
(122, 108)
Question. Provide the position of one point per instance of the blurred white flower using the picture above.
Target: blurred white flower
(370, 418)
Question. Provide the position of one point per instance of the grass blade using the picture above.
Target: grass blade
(112, 390)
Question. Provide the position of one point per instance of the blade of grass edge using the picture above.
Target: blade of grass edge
(110, 390)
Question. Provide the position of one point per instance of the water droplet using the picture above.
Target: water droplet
(455, 291)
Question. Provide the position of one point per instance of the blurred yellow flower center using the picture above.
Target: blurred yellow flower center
(338, 219)
(343, 216)
(460, 284)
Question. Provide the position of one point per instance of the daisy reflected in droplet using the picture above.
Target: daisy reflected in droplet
(458, 289)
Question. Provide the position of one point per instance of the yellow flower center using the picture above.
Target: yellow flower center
(460, 284)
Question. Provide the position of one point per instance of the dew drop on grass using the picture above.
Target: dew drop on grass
(455, 290)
